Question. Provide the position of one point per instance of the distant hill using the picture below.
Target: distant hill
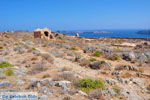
(146, 32)
(84, 31)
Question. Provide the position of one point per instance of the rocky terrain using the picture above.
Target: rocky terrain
(71, 68)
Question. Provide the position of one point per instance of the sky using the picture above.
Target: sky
(74, 14)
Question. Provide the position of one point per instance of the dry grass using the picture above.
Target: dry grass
(126, 75)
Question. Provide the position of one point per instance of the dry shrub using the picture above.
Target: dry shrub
(34, 58)
(66, 69)
(48, 57)
(46, 76)
(85, 63)
(40, 67)
(67, 75)
(96, 95)
(141, 70)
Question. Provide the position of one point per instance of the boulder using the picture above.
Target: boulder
(130, 56)
(82, 93)
(64, 85)
(142, 58)
(89, 49)
(37, 83)
(107, 51)
(36, 52)
(100, 65)
(78, 58)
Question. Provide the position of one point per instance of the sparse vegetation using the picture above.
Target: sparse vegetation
(1, 47)
(114, 57)
(33, 48)
(126, 75)
(92, 59)
(39, 67)
(66, 76)
(74, 48)
(116, 50)
(9, 72)
(5, 64)
(97, 54)
(85, 63)
(117, 90)
(89, 84)
(66, 98)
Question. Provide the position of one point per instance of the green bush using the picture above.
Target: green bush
(9, 72)
(116, 90)
(92, 59)
(74, 48)
(97, 54)
(113, 58)
(89, 84)
(33, 48)
(5, 64)
(1, 47)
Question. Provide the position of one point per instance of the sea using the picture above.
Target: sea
(113, 33)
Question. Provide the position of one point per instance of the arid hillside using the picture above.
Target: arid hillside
(75, 68)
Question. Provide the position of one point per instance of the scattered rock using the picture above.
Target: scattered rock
(20, 82)
(126, 67)
(82, 93)
(89, 49)
(107, 51)
(37, 83)
(4, 84)
(64, 85)
(45, 91)
(66, 46)
(20, 49)
(138, 81)
(110, 81)
(131, 95)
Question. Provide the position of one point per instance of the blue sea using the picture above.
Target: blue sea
(114, 33)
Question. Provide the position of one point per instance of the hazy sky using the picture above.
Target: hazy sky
(74, 14)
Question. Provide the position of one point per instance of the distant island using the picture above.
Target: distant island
(84, 32)
(144, 32)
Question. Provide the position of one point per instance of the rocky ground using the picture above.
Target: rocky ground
(54, 68)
